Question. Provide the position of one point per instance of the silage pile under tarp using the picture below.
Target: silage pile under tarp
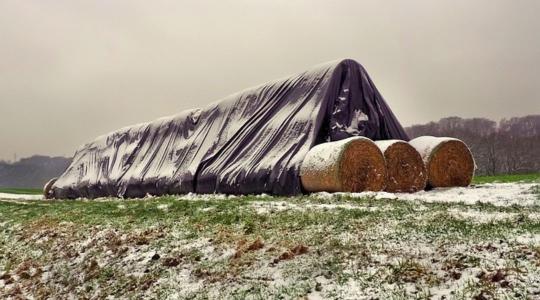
(250, 142)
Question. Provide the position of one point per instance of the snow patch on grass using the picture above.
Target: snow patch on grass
(406, 249)
(528, 239)
(375, 195)
(205, 197)
(481, 217)
(498, 194)
(8, 196)
(163, 207)
(265, 207)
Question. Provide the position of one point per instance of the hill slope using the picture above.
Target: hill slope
(32, 172)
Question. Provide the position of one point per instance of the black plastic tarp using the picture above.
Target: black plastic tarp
(250, 142)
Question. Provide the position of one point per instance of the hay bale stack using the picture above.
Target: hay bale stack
(405, 169)
(47, 194)
(352, 165)
(449, 161)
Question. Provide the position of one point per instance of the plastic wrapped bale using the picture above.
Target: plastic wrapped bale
(405, 169)
(351, 165)
(449, 161)
(250, 142)
(47, 192)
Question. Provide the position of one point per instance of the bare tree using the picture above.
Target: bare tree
(508, 147)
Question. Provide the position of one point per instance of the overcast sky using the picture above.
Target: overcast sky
(72, 70)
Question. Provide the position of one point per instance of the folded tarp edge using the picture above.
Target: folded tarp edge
(250, 142)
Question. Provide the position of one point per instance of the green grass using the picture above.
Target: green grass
(96, 248)
(532, 177)
(32, 191)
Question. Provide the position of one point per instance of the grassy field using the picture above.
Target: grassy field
(259, 247)
(532, 177)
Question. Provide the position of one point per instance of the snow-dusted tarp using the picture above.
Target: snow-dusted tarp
(250, 142)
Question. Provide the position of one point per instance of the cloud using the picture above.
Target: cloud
(72, 70)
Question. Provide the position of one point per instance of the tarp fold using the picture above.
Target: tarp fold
(249, 142)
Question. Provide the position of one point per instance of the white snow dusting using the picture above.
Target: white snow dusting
(264, 207)
(354, 128)
(481, 217)
(384, 145)
(9, 196)
(323, 156)
(425, 144)
(498, 194)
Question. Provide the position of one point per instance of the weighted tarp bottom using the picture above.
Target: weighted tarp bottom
(250, 142)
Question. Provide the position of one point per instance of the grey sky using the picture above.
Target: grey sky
(72, 70)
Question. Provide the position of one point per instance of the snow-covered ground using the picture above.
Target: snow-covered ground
(478, 242)
(498, 194)
(8, 196)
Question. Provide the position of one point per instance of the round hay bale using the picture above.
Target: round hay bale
(352, 165)
(47, 189)
(449, 161)
(405, 169)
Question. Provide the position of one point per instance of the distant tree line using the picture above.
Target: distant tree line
(32, 172)
(508, 147)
